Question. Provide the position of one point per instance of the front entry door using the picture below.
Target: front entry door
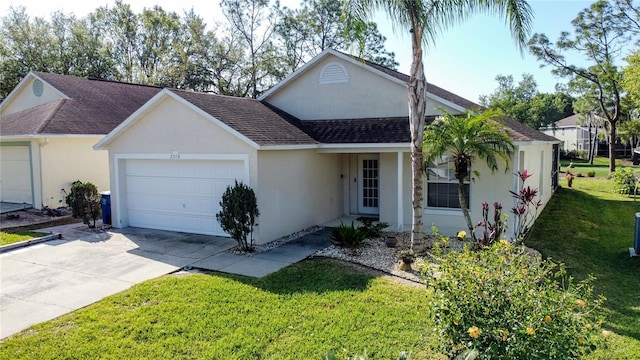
(368, 184)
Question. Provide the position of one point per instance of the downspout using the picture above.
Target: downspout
(515, 185)
(42, 196)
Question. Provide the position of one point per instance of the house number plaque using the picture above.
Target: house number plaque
(174, 155)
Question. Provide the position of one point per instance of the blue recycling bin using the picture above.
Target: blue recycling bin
(105, 202)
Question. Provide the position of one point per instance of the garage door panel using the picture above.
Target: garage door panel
(15, 174)
(179, 195)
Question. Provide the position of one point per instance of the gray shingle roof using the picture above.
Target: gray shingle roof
(394, 130)
(253, 119)
(522, 132)
(94, 107)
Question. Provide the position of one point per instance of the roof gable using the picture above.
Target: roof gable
(31, 91)
(91, 107)
(434, 92)
(249, 120)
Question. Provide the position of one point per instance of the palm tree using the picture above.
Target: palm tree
(465, 138)
(425, 19)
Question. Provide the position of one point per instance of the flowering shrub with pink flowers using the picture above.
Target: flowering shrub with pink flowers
(503, 303)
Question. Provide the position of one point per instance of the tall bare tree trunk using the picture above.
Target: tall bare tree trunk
(612, 145)
(464, 206)
(417, 106)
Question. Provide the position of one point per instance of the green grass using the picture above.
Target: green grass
(589, 228)
(307, 309)
(301, 312)
(600, 166)
(10, 238)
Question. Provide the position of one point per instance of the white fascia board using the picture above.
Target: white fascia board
(445, 102)
(21, 84)
(364, 147)
(340, 148)
(289, 147)
(535, 142)
(51, 136)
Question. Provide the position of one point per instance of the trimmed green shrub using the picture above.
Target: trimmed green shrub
(84, 200)
(624, 180)
(504, 303)
(370, 229)
(347, 236)
(237, 217)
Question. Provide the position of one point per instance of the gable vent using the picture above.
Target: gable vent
(333, 73)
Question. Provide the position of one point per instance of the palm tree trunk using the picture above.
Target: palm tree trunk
(464, 206)
(417, 106)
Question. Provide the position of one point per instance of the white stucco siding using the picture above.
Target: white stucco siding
(172, 131)
(389, 189)
(567, 136)
(25, 98)
(364, 95)
(488, 187)
(297, 189)
(537, 160)
(65, 160)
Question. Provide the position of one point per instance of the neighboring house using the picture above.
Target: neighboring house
(330, 140)
(574, 131)
(48, 126)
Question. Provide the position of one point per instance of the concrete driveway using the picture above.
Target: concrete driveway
(44, 281)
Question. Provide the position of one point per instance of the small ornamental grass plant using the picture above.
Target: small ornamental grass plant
(502, 303)
(347, 236)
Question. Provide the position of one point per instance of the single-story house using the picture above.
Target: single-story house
(330, 140)
(48, 126)
(574, 131)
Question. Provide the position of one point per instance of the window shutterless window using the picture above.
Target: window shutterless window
(442, 185)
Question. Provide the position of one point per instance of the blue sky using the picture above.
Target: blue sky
(464, 60)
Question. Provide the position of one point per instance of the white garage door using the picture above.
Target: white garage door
(179, 195)
(15, 174)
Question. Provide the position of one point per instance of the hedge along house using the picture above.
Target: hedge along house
(330, 140)
(48, 126)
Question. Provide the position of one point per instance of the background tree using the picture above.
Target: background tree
(317, 25)
(253, 23)
(522, 102)
(600, 38)
(464, 139)
(424, 19)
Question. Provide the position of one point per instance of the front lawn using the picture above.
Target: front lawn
(600, 166)
(589, 228)
(301, 312)
(315, 306)
(10, 238)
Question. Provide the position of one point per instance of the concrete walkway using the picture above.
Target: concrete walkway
(43, 281)
(270, 261)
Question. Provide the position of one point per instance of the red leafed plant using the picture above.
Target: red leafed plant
(526, 208)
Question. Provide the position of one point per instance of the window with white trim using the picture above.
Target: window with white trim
(442, 185)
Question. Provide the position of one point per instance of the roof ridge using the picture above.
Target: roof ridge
(50, 116)
(91, 78)
(210, 93)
